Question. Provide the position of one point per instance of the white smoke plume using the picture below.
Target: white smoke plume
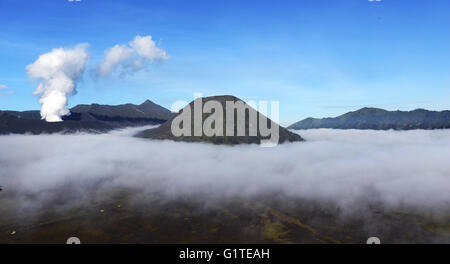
(346, 167)
(130, 58)
(58, 72)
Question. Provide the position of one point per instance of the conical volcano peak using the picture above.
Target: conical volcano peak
(223, 119)
(147, 102)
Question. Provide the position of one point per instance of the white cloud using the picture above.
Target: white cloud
(58, 72)
(145, 47)
(114, 57)
(132, 57)
(347, 168)
(5, 90)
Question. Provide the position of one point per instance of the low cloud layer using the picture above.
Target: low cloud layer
(346, 167)
(58, 72)
(130, 58)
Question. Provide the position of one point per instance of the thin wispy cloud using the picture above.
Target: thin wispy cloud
(5, 90)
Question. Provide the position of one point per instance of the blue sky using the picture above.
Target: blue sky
(316, 57)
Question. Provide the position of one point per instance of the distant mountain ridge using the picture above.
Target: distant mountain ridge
(148, 109)
(88, 118)
(380, 119)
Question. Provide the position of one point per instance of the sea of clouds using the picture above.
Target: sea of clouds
(346, 167)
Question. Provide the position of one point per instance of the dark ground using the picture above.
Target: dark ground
(120, 217)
